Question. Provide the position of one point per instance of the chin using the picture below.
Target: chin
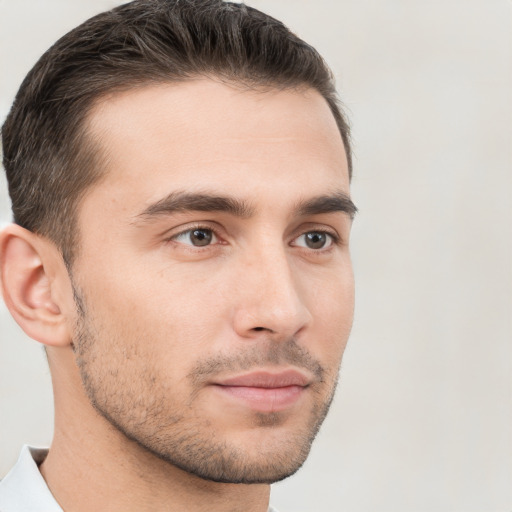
(237, 467)
(268, 454)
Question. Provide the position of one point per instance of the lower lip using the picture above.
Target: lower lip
(264, 399)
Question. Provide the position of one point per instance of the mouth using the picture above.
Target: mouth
(264, 391)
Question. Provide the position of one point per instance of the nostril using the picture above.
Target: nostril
(259, 329)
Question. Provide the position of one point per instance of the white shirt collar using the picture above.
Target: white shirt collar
(23, 489)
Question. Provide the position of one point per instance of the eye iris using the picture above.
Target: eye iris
(316, 240)
(200, 237)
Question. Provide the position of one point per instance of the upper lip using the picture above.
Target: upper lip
(266, 379)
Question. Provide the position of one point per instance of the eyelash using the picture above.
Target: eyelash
(335, 238)
(194, 227)
(197, 228)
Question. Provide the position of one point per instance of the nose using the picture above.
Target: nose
(270, 301)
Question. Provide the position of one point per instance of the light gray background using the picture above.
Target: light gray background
(422, 421)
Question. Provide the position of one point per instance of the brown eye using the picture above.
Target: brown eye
(201, 237)
(314, 240)
(198, 237)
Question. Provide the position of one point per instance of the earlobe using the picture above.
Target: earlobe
(28, 287)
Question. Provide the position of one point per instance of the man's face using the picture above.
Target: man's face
(214, 278)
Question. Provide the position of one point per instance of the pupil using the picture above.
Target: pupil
(315, 240)
(201, 237)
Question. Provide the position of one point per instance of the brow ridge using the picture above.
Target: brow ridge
(337, 202)
(203, 202)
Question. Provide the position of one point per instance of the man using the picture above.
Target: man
(179, 174)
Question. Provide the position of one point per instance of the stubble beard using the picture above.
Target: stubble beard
(186, 440)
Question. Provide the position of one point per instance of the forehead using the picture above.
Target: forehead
(206, 134)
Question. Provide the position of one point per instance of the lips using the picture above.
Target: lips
(264, 391)
(268, 380)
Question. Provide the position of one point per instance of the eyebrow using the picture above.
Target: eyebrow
(201, 202)
(205, 202)
(338, 202)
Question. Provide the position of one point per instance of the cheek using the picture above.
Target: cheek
(332, 308)
(169, 315)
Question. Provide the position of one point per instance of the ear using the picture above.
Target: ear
(33, 277)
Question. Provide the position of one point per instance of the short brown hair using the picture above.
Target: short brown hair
(48, 158)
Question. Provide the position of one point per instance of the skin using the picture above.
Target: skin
(140, 416)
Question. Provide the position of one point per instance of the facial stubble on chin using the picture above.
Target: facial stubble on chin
(182, 437)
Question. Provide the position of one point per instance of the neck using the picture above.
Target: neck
(93, 466)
